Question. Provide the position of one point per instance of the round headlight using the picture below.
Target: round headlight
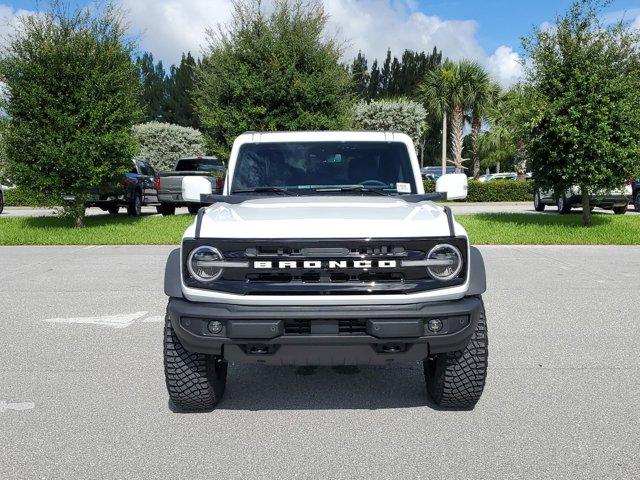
(199, 263)
(446, 262)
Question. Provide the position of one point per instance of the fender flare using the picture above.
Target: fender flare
(477, 273)
(172, 275)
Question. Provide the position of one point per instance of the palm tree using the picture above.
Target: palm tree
(483, 94)
(434, 92)
(460, 82)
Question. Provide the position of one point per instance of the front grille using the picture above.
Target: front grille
(277, 267)
(297, 327)
(351, 326)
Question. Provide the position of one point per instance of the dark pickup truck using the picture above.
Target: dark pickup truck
(169, 183)
(137, 189)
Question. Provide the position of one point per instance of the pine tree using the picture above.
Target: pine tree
(152, 78)
(360, 76)
(179, 93)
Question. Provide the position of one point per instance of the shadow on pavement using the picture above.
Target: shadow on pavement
(256, 388)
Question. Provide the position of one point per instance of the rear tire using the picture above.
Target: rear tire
(537, 202)
(564, 207)
(1, 200)
(636, 202)
(457, 379)
(195, 381)
(134, 209)
(113, 210)
(193, 208)
(620, 210)
(166, 209)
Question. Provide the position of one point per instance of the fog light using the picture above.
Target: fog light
(215, 327)
(434, 325)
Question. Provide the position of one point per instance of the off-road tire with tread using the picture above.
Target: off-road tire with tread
(195, 381)
(456, 379)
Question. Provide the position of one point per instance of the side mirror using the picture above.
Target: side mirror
(454, 185)
(193, 187)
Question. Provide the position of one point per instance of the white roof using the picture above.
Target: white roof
(337, 136)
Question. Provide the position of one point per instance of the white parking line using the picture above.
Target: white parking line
(113, 321)
(5, 406)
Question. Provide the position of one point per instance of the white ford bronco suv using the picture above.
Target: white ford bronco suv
(323, 249)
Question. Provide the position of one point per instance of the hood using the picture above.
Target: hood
(324, 217)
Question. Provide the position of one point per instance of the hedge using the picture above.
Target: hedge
(494, 190)
(18, 197)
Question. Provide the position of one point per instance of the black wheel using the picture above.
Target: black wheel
(563, 206)
(195, 381)
(166, 209)
(113, 210)
(193, 208)
(537, 202)
(620, 210)
(134, 209)
(636, 202)
(1, 200)
(456, 379)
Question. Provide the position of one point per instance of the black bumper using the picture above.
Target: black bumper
(325, 335)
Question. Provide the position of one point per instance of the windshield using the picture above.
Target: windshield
(307, 167)
(198, 165)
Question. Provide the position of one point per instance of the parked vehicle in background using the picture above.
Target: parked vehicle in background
(498, 176)
(137, 189)
(616, 200)
(325, 250)
(635, 194)
(434, 173)
(169, 183)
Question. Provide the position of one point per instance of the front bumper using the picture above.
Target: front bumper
(325, 335)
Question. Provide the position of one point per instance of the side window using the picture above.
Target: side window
(144, 168)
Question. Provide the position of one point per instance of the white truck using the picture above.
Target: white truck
(323, 249)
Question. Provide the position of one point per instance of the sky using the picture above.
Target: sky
(488, 31)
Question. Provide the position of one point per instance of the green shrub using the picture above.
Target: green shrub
(164, 143)
(19, 197)
(400, 115)
(493, 191)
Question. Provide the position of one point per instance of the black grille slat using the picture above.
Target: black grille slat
(297, 327)
(352, 326)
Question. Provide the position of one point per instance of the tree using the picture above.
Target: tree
(585, 77)
(359, 76)
(400, 115)
(153, 87)
(179, 93)
(274, 71)
(483, 93)
(435, 94)
(163, 143)
(73, 95)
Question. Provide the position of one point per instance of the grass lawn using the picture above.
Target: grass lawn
(483, 229)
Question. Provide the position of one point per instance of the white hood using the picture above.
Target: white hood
(324, 217)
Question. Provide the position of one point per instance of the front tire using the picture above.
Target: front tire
(195, 381)
(113, 210)
(537, 202)
(636, 202)
(1, 200)
(457, 379)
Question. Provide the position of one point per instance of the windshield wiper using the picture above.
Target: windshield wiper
(277, 190)
(351, 189)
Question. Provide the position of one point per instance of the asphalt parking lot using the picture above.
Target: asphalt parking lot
(82, 392)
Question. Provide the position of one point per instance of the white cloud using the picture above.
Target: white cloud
(9, 17)
(506, 66)
(167, 28)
